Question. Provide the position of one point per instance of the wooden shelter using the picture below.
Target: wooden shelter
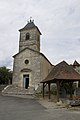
(62, 72)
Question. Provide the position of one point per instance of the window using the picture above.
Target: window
(27, 36)
(26, 61)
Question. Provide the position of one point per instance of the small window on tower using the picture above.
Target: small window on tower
(27, 36)
(38, 37)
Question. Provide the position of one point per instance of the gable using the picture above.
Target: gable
(45, 58)
(27, 52)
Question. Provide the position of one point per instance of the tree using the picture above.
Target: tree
(5, 75)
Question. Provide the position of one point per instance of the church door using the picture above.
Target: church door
(26, 81)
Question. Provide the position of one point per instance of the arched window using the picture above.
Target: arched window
(27, 36)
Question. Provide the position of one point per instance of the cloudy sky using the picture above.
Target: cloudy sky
(58, 21)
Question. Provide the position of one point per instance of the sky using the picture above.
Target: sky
(58, 21)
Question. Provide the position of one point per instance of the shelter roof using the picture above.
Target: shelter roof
(62, 71)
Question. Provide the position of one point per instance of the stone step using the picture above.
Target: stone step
(13, 89)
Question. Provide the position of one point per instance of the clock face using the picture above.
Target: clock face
(26, 61)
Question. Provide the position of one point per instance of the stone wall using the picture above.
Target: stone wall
(34, 66)
(38, 67)
(33, 42)
(45, 67)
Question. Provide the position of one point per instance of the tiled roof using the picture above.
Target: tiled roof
(76, 63)
(30, 25)
(62, 71)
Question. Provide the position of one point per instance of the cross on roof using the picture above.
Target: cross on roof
(30, 20)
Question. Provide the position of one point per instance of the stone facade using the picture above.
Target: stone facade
(33, 42)
(30, 66)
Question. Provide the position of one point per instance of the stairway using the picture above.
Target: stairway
(16, 90)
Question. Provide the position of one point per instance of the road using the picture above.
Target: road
(14, 108)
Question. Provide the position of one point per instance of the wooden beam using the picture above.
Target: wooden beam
(49, 90)
(58, 90)
(45, 84)
(71, 96)
(43, 90)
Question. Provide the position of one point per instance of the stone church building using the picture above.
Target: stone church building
(30, 65)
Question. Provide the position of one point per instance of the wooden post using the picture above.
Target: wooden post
(43, 90)
(58, 90)
(71, 96)
(49, 90)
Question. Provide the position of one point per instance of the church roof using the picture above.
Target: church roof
(62, 71)
(30, 25)
(76, 63)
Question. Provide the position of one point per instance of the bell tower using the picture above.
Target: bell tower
(29, 37)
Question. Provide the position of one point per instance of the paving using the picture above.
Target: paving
(16, 108)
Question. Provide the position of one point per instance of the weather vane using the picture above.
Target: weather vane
(30, 19)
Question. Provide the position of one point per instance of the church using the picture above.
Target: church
(30, 66)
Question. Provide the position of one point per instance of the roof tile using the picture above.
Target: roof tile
(62, 71)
